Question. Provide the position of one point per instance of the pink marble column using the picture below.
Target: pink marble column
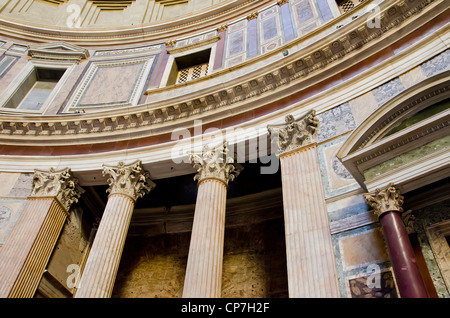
(27, 250)
(126, 184)
(387, 205)
(311, 264)
(204, 267)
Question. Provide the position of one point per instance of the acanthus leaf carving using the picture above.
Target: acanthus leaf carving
(131, 179)
(57, 183)
(215, 163)
(384, 200)
(294, 133)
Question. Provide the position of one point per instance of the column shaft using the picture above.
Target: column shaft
(309, 250)
(28, 248)
(204, 267)
(407, 274)
(101, 267)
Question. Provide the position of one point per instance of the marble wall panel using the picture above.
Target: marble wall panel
(335, 176)
(363, 106)
(436, 65)
(9, 212)
(413, 77)
(349, 213)
(335, 122)
(7, 182)
(236, 43)
(112, 83)
(361, 252)
(358, 286)
(387, 91)
(304, 12)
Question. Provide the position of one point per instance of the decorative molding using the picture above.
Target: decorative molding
(252, 16)
(294, 133)
(203, 19)
(58, 51)
(215, 163)
(131, 179)
(58, 2)
(135, 50)
(112, 5)
(281, 2)
(171, 43)
(222, 28)
(441, 125)
(255, 87)
(384, 200)
(57, 183)
(366, 148)
(375, 134)
(93, 70)
(195, 45)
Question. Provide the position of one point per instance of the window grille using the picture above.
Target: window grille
(192, 72)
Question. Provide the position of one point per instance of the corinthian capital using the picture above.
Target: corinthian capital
(385, 200)
(214, 163)
(131, 180)
(294, 133)
(59, 184)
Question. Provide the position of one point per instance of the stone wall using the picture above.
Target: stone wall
(254, 263)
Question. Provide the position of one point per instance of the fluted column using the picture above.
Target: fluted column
(127, 183)
(28, 248)
(309, 251)
(387, 205)
(204, 267)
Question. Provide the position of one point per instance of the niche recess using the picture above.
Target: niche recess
(189, 67)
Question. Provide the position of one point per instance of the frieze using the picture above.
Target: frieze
(252, 89)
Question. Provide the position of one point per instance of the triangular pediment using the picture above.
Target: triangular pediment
(58, 51)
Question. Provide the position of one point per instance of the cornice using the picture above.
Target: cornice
(204, 20)
(175, 50)
(365, 147)
(317, 58)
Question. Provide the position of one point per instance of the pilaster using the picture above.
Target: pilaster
(28, 248)
(309, 250)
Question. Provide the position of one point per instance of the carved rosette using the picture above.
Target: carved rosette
(131, 180)
(214, 163)
(294, 133)
(385, 200)
(57, 183)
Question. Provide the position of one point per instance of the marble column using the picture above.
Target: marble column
(127, 183)
(204, 267)
(387, 205)
(311, 264)
(27, 250)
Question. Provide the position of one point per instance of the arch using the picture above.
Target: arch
(375, 159)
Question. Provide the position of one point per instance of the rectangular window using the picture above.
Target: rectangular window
(189, 67)
(35, 89)
(347, 5)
